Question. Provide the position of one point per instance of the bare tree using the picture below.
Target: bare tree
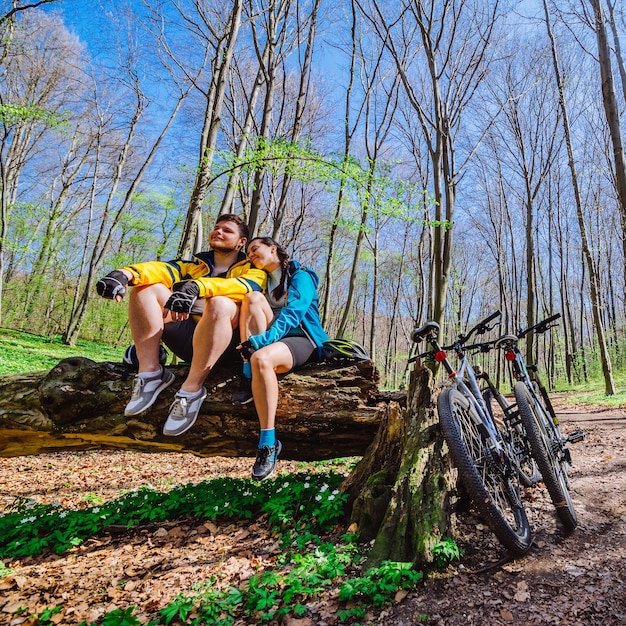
(452, 39)
(38, 77)
(221, 37)
(609, 385)
(612, 111)
(349, 128)
(298, 115)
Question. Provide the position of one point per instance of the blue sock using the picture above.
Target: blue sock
(247, 369)
(267, 438)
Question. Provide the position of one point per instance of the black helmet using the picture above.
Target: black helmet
(344, 350)
(130, 356)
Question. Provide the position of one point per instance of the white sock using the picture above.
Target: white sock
(149, 375)
(187, 394)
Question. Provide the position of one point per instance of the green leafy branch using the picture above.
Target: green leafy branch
(11, 114)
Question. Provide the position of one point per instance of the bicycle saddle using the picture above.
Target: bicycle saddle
(505, 340)
(419, 333)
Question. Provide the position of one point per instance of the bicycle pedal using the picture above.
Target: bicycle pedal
(576, 437)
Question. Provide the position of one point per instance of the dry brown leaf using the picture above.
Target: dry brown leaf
(400, 595)
(506, 615)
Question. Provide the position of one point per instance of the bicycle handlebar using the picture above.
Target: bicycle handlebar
(540, 327)
(486, 346)
(432, 328)
(481, 328)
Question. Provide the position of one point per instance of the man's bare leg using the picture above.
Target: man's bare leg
(211, 338)
(145, 315)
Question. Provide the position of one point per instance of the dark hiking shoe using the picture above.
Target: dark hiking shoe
(265, 463)
(243, 395)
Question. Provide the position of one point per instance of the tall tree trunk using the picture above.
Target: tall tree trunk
(356, 258)
(274, 41)
(296, 131)
(612, 112)
(244, 139)
(605, 358)
(347, 140)
(192, 238)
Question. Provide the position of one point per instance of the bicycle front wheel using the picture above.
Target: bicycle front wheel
(549, 452)
(483, 474)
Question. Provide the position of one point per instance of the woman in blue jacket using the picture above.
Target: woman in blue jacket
(280, 331)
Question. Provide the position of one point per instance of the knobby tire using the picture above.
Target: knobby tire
(492, 491)
(548, 453)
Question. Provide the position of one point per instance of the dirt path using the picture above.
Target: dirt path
(578, 579)
(566, 580)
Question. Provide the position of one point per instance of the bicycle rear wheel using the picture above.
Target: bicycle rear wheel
(549, 452)
(513, 429)
(486, 478)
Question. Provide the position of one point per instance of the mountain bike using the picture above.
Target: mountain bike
(548, 445)
(513, 428)
(485, 461)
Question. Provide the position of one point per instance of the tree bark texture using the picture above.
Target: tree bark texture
(324, 412)
(403, 491)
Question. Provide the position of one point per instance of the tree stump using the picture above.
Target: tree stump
(402, 492)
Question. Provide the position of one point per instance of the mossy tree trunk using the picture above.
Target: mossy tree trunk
(403, 490)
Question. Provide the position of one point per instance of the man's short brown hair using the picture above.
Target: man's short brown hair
(244, 231)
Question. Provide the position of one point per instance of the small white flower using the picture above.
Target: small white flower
(285, 485)
(62, 514)
(331, 497)
(318, 497)
(307, 485)
(324, 487)
(96, 509)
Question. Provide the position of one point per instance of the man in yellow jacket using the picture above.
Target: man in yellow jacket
(193, 307)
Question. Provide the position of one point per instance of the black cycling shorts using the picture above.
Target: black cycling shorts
(178, 337)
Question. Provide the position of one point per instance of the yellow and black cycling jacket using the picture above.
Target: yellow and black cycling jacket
(241, 278)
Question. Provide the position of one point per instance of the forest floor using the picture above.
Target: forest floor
(576, 579)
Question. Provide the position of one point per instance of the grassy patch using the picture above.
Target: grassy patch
(592, 392)
(23, 352)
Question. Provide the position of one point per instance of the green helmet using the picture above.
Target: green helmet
(344, 350)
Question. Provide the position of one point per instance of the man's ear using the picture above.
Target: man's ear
(242, 243)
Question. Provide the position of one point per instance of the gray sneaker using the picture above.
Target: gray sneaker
(183, 413)
(147, 390)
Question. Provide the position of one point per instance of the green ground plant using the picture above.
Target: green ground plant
(304, 509)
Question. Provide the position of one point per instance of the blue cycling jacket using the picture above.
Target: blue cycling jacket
(301, 310)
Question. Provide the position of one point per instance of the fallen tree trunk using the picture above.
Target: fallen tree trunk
(324, 412)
